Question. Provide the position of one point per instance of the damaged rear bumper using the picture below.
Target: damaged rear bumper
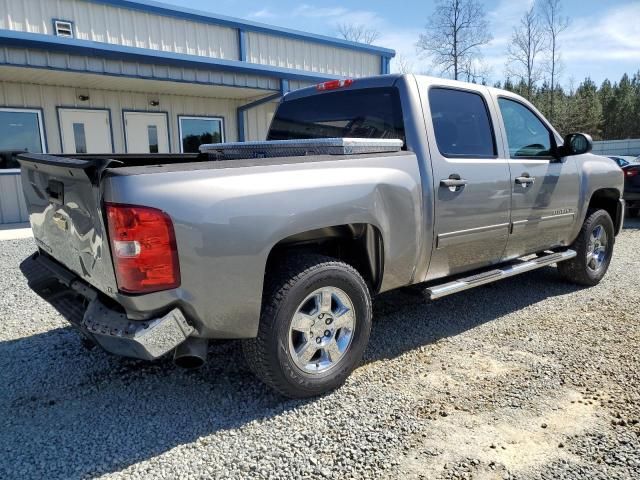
(98, 319)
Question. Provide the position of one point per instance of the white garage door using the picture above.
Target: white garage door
(146, 132)
(85, 131)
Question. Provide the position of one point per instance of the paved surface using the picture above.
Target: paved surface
(528, 378)
(15, 231)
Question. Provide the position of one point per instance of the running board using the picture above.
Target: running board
(439, 291)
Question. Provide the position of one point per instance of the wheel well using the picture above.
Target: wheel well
(608, 199)
(359, 245)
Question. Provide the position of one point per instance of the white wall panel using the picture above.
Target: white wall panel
(306, 55)
(121, 26)
(257, 121)
(49, 97)
(13, 208)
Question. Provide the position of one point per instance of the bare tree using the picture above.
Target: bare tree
(357, 33)
(554, 23)
(528, 42)
(403, 64)
(454, 35)
(476, 71)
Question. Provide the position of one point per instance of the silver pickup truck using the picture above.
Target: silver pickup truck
(363, 186)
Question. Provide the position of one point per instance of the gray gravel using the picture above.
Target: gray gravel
(528, 378)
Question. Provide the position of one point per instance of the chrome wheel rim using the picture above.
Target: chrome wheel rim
(321, 330)
(597, 248)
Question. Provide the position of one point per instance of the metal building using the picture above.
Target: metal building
(101, 76)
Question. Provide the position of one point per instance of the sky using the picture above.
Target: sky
(602, 41)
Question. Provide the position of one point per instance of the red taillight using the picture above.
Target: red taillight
(334, 84)
(143, 246)
(631, 172)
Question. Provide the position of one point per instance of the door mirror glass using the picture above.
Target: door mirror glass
(577, 144)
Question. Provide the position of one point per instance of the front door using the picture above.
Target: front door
(472, 186)
(85, 131)
(544, 189)
(146, 132)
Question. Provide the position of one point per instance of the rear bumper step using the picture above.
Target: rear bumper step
(439, 291)
(110, 328)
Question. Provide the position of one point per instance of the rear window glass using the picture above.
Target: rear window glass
(461, 124)
(366, 113)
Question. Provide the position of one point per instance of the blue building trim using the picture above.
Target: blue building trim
(243, 108)
(140, 77)
(284, 87)
(242, 45)
(385, 65)
(163, 9)
(142, 55)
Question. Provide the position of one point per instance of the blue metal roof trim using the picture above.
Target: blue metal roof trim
(143, 55)
(164, 9)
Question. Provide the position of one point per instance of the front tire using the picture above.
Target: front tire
(594, 248)
(314, 327)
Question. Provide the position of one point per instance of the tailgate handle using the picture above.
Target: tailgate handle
(55, 191)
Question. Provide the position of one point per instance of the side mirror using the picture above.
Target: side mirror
(576, 144)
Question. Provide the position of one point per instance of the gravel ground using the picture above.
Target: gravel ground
(528, 378)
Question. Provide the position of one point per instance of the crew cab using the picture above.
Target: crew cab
(363, 186)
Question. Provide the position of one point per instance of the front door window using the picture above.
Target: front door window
(527, 136)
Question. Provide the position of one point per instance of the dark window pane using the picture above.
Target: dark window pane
(80, 138)
(197, 131)
(461, 124)
(20, 131)
(527, 136)
(366, 113)
(152, 132)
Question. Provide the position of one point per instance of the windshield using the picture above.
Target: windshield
(365, 113)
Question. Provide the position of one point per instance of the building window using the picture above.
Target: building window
(195, 131)
(63, 28)
(80, 138)
(152, 132)
(21, 130)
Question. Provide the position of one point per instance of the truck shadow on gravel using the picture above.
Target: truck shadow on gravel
(69, 413)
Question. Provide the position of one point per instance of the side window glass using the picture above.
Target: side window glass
(527, 136)
(461, 124)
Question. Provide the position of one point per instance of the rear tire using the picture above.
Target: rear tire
(314, 327)
(594, 248)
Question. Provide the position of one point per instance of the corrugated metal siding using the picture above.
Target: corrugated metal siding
(121, 26)
(13, 208)
(61, 61)
(302, 55)
(617, 147)
(257, 121)
(49, 97)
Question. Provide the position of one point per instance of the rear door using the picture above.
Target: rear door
(471, 184)
(544, 189)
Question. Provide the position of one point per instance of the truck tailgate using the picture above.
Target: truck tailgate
(63, 197)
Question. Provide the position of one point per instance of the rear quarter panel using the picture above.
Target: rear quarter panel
(227, 220)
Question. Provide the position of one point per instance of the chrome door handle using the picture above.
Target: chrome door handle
(453, 182)
(525, 180)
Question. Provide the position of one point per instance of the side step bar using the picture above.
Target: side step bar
(439, 291)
